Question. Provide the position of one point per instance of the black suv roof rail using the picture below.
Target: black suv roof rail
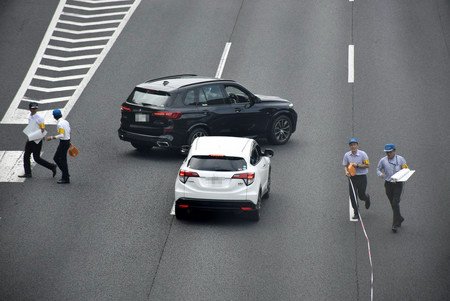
(170, 76)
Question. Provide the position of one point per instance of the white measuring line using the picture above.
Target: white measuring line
(351, 63)
(223, 59)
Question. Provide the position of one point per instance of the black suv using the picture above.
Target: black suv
(172, 111)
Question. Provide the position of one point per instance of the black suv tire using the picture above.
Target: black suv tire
(280, 130)
(197, 132)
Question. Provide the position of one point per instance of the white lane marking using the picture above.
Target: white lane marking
(70, 58)
(93, 16)
(172, 211)
(223, 59)
(100, 1)
(350, 211)
(57, 29)
(48, 100)
(58, 79)
(351, 0)
(11, 166)
(351, 63)
(57, 89)
(15, 115)
(97, 8)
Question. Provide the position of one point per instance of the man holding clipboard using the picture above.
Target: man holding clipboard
(35, 132)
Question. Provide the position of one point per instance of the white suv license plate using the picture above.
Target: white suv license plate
(140, 117)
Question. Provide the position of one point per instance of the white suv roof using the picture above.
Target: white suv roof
(219, 145)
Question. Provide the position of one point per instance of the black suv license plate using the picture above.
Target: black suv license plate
(141, 117)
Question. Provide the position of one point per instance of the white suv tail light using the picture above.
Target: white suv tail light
(184, 175)
(247, 177)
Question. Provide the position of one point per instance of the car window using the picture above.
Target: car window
(213, 95)
(236, 95)
(255, 156)
(149, 97)
(189, 98)
(217, 163)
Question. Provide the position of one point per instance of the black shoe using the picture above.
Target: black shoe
(25, 175)
(62, 181)
(400, 222)
(394, 228)
(355, 216)
(54, 170)
(368, 202)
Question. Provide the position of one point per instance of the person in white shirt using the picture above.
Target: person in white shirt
(63, 128)
(34, 147)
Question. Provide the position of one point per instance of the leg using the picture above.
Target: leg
(26, 157)
(37, 156)
(352, 196)
(61, 158)
(397, 192)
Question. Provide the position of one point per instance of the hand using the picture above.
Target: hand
(355, 165)
(48, 138)
(382, 175)
(347, 174)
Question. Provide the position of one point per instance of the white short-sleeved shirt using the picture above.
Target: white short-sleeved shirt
(360, 157)
(63, 128)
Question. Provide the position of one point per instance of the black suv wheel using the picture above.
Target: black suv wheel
(197, 132)
(280, 130)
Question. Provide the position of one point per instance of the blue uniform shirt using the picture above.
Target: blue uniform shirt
(359, 158)
(390, 166)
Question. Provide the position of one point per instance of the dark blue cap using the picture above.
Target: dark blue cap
(389, 147)
(57, 113)
(353, 140)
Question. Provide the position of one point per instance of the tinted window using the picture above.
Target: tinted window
(189, 99)
(149, 97)
(236, 95)
(217, 163)
(213, 95)
(255, 156)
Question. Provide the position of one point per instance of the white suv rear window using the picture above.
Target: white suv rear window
(213, 163)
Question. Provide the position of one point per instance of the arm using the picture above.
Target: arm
(380, 169)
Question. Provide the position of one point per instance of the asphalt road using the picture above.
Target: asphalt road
(109, 236)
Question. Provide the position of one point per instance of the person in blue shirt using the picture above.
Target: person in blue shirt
(359, 160)
(387, 167)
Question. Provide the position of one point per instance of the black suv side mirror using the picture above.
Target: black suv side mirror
(185, 149)
(268, 153)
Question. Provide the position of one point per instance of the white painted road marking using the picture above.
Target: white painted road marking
(81, 13)
(172, 211)
(223, 60)
(351, 63)
(350, 211)
(11, 166)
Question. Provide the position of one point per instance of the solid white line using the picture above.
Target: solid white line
(71, 58)
(48, 100)
(93, 16)
(97, 8)
(223, 60)
(172, 211)
(57, 89)
(64, 68)
(85, 31)
(74, 49)
(351, 63)
(9, 115)
(68, 40)
(89, 23)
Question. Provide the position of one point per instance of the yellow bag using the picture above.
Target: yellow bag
(73, 151)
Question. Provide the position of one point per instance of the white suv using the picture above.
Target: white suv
(223, 174)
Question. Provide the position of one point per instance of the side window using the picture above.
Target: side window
(213, 95)
(236, 95)
(202, 98)
(189, 99)
(255, 156)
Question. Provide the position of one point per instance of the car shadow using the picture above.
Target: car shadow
(156, 154)
(217, 219)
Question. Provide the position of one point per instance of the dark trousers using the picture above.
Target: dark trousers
(35, 149)
(393, 192)
(60, 158)
(360, 185)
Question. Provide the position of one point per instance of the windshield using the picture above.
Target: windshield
(217, 163)
(149, 97)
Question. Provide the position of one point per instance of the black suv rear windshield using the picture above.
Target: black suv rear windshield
(142, 96)
(217, 163)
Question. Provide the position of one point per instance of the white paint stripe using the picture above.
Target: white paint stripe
(350, 211)
(48, 100)
(70, 58)
(10, 113)
(68, 40)
(48, 90)
(351, 0)
(75, 48)
(11, 166)
(97, 8)
(93, 16)
(88, 23)
(223, 60)
(57, 29)
(64, 68)
(172, 211)
(58, 79)
(351, 63)
(101, 1)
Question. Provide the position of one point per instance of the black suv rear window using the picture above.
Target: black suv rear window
(213, 163)
(149, 97)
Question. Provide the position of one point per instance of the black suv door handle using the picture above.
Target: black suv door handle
(237, 110)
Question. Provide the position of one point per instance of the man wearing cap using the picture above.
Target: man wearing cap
(63, 128)
(34, 147)
(387, 167)
(357, 160)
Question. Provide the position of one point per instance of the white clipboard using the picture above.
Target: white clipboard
(402, 175)
(34, 133)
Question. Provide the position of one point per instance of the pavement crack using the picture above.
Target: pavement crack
(236, 20)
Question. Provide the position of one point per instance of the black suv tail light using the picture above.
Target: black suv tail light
(168, 115)
(125, 108)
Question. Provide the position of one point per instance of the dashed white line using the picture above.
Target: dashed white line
(97, 8)
(68, 40)
(93, 16)
(88, 23)
(57, 29)
(70, 58)
(223, 59)
(74, 49)
(351, 63)
(64, 68)
(57, 89)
